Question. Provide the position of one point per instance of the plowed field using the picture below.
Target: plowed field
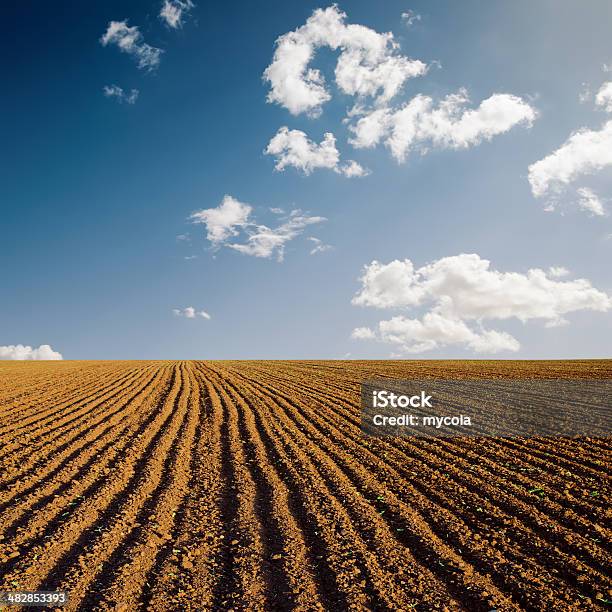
(248, 485)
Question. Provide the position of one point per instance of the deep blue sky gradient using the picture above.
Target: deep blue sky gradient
(93, 193)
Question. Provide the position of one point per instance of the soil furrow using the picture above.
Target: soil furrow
(249, 485)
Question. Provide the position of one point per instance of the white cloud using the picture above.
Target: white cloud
(590, 202)
(114, 91)
(294, 148)
(368, 64)
(436, 330)
(130, 41)
(604, 97)
(20, 352)
(371, 68)
(418, 125)
(410, 17)
(352, 169)
(464, 289)
(172, 12)
(190, 313)
(233, 218)
(363, 333)
(266, 242)
(585, 152)
(225, 221)
(389, 285)
(319, 246)
(558, 271)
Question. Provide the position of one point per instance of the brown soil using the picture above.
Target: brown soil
(247, 485)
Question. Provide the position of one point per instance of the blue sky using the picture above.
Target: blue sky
(96, 190)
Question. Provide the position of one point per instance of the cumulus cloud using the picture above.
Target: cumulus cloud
(224, 221)
(116, 92)
(371, 69)
(585, 152)
(294, 148)
(369, 64)
(173, 11)
(352, 169)
(389, 285)
(463, 291)
(590, 202)
(129, 40)
(363, 333)
(419, 125)
(232, 219)
(190, 313)
(319, 246)
(18, 352)
(604, 97)
(436, 330)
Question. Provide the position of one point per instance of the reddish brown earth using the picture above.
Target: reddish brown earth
(248, 485)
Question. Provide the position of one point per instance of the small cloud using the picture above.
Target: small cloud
(19, 352)
(410, 17)
(224, 221)
(277, 211)
(363, 333)
(129, 40)
(352, 169)
(586, 152)
(319, 246)
(590, 202)
(557, 271)
(559, 322)
(183, 238)
(190, 257)
(268, 242)
(294, 148)
(586, 94)
(232, 219)
(190, 313)
(114, 91)
(603, 99)
(173, 11)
